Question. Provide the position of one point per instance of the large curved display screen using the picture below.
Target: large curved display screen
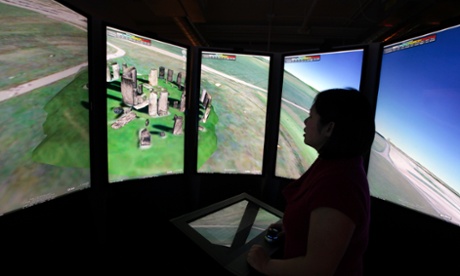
(233, 107)
(44, 102)
(146, 98)
(415, 157)
(305, 75)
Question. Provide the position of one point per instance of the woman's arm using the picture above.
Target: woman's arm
(328, 238)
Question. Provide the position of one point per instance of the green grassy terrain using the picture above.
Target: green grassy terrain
(293, 156)
(233, 137)
(126, 159)
(166, 154)
(245, 68)
(31, 169)
(207, 139)
(51, 45)
(44, 132)
(67, 127)
(241, 110)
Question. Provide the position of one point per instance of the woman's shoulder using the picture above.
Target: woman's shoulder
(338, 163)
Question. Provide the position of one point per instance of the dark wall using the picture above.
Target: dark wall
(405, 242)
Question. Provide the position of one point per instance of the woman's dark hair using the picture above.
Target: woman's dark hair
(352, 114)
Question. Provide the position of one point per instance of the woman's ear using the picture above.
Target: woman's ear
(329, 128)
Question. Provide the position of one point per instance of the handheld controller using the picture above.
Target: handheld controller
(272, 235)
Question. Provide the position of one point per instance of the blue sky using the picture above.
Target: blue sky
(334, 70)
(418, 105)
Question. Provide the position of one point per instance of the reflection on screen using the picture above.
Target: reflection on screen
(416, 151)
(233, 106)
(44, 137)
(305, 75)
(145, 106)
(221, 227)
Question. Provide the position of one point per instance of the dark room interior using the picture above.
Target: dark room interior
(126, 224)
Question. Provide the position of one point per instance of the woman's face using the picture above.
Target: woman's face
(316, 134)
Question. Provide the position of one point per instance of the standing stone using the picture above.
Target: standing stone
(163, 107)
(170, 75)
(153, 104)
(203, 95)
(180, 80)
(206, 114)
(153, 77)
(178, 122)
(115, 71)
(140, 89)
(207, 100)
(108, 74)
(129, 86)
(182, 102)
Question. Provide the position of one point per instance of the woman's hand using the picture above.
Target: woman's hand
(258, 257)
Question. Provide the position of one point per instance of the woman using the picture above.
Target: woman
(326, 220)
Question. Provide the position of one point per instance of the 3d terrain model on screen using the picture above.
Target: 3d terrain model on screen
(156, 99)
(233, 106)
(44, 102)
(146, 102)
(415, 164)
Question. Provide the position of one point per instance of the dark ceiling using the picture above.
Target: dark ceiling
(275, 25)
